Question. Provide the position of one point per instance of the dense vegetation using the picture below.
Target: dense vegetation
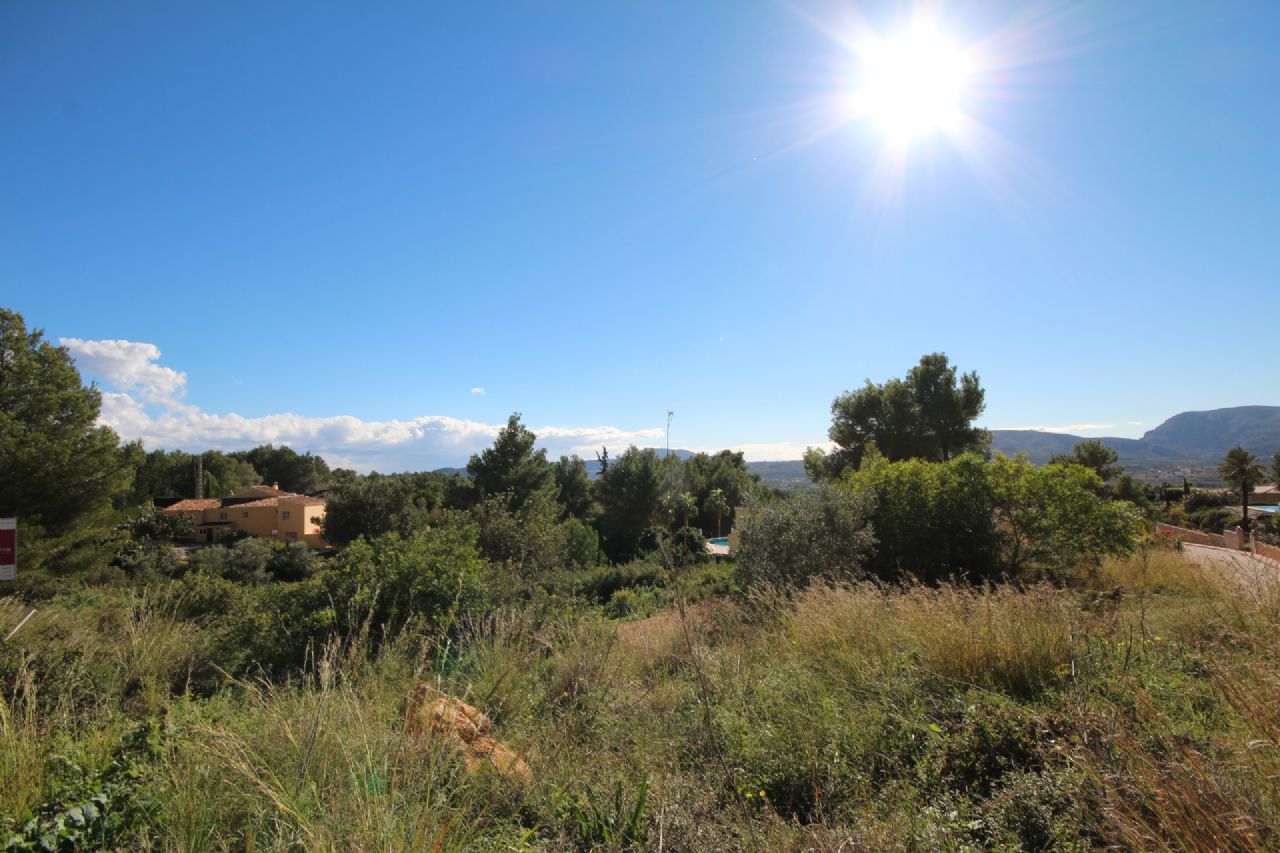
(935, 649)
(1135, 708)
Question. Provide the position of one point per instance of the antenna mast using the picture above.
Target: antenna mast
(669, 414)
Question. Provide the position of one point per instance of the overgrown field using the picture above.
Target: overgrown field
(1135, 707)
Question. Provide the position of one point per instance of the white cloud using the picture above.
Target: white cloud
(479, 390)
(776, 451)
(142, 402)
(130, 366)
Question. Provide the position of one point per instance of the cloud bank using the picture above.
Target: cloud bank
(142, 399)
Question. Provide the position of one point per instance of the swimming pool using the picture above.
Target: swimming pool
(719, 540)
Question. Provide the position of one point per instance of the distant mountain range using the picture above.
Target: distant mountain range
(1185, 437)
(1189, 444)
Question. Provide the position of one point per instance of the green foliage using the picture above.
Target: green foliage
(718, 504)
(1095, 456)
(1131, 711)
(157, 526)
(1240, 468)
(382, 503)
(573, 487)
(688, 547)
(616, 824)
(60, 473)
(724, 473)
(970, 518)
(992, 738)
(511, 467)
(291, 471)
(932, 520)
(389, 581)
(581, 544)
(1052, 519)
(806, 537)
(927, 415)
(171, 473)
(629, 492)
(90, 809)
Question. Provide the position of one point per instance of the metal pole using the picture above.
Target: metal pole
(20, 624)
(669, 414)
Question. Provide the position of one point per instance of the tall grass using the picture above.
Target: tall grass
(1138, 708)
(997, 638)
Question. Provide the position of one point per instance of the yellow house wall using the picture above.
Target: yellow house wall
(261, 521)
(300, 526)
(294, 526)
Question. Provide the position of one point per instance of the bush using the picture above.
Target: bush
(390, 581)
(791, 542)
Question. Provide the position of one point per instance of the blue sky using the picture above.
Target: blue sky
(375, 230)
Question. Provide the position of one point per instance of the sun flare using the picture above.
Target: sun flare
(913, 85)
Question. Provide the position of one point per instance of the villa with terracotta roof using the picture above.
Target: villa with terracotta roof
(264, 511)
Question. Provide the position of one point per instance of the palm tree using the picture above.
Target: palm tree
(1241, 469)
(719, 504)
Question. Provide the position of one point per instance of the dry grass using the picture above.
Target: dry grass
(998, 638)
(873, 716)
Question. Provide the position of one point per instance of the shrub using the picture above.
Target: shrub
(791, 542)
(389, 580)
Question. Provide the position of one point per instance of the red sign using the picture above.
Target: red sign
(8, 548)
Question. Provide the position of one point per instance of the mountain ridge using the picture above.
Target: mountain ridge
(1189, 444)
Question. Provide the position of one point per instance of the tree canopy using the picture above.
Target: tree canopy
(512, 467)
(1095, 456)
(928, 415)
(60, 473)
(1241, 469)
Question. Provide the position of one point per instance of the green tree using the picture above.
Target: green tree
(529, 541)
(726, 471)
(1275, 469)
(382, 503)
(979, 520)
(933, 520)
(573, 487)
(171, 474)
(292, 471)
(1240, 468)
(678, 505)
(1095, 456)
(1052, 518)
(946, 405)
(629, 493)
(789, 543)
(389, 582)
(512, 467)
(717, 502)
(927, 415)
(61, 475)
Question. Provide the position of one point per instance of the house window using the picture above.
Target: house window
(291, 535)
(285, 515)
(245, 514)
(222, 516)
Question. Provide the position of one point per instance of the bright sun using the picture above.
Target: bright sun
(913, 85)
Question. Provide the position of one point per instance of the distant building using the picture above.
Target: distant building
(263, 511)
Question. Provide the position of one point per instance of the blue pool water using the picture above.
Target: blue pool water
(719, 540)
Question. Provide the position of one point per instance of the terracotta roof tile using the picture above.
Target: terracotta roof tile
(262, 502)
(194, 504)
(305, 500)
